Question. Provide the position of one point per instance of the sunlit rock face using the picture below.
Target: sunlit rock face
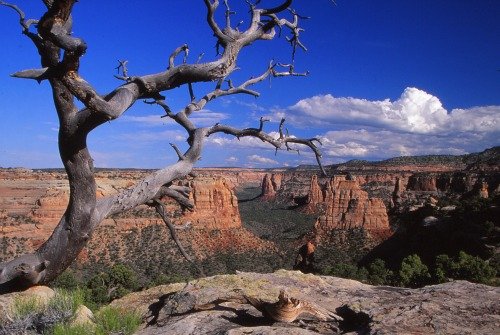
(32, 202)
(346, 206)
(270, 185)
(216, 205)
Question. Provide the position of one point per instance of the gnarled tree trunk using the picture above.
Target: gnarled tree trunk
(60, 54)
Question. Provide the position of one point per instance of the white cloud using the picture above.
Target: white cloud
(261, 160)
(231, 159)
(415, 112)
(149, 120)
(380, 144)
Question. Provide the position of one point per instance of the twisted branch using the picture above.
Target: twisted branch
(183, 48)
(160, 209)
(278, 143)
(60, 53)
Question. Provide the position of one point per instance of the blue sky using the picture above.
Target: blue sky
(387, 78)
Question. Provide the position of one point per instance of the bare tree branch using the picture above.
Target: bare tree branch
(211, 7)
(176, 52)
(160, 209)
(60, 55)
(278, 143)
(26, 24)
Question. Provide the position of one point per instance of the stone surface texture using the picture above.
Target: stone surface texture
(457, 307)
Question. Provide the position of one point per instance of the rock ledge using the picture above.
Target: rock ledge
(457, 307)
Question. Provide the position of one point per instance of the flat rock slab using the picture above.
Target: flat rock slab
(210, 306)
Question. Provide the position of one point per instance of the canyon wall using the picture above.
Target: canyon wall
(32, 202)
(361, 194)
(342, 204)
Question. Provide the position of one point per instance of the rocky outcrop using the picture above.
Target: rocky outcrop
(32, 202)
(316, 195)
(344, 205)
(212, 306)
(305, 258)
(270, 185)
(216, 204)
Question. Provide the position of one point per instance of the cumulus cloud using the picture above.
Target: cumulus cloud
(261, 160)
(232, 159)
(415, 111)
(380, 144)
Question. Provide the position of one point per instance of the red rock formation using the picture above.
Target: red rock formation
(483, 190)
(305, 258)
(426, 183)
(347, 206)
(315, 196)
(31, 204)
(216, 205)
(270, 185)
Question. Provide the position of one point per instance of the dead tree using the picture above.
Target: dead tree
(60, 55)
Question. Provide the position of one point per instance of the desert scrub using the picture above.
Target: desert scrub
(24, 306)
(116, 320)
(108, 320)
(31, 315)
(79, 329)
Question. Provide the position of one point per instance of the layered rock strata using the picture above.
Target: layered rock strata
(270, 185)
(32, 203)
(344, 205)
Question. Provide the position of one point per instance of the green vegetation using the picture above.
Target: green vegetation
(412, 272)
(378, 274)
(466, 267)
(115, 283)
(114, 320)
(34, 316)
(25, 306)
(108, 320)
(78, 329)
(347, 270)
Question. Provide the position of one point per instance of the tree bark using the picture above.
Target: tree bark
(60, 54)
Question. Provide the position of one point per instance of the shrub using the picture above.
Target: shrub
(30, 314)
(66, 280)
(115, 320)
(78, 329)
(465, 267)
(442, 268)
(378, 274)
(346, 270)
(112, 284)
(413, 273)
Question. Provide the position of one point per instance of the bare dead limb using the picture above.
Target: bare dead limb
(278, 143)
(60, 55)
(122, 64)
(183, 48)
(160, 209)
(178, 152)
(25, 24)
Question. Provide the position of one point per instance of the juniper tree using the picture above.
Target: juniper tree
(60, 56)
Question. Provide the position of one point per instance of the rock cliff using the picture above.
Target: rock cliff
(344, 205)
(270, 185)
(402, 182)
(216, 205)
(211, 306)
(32, 202)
